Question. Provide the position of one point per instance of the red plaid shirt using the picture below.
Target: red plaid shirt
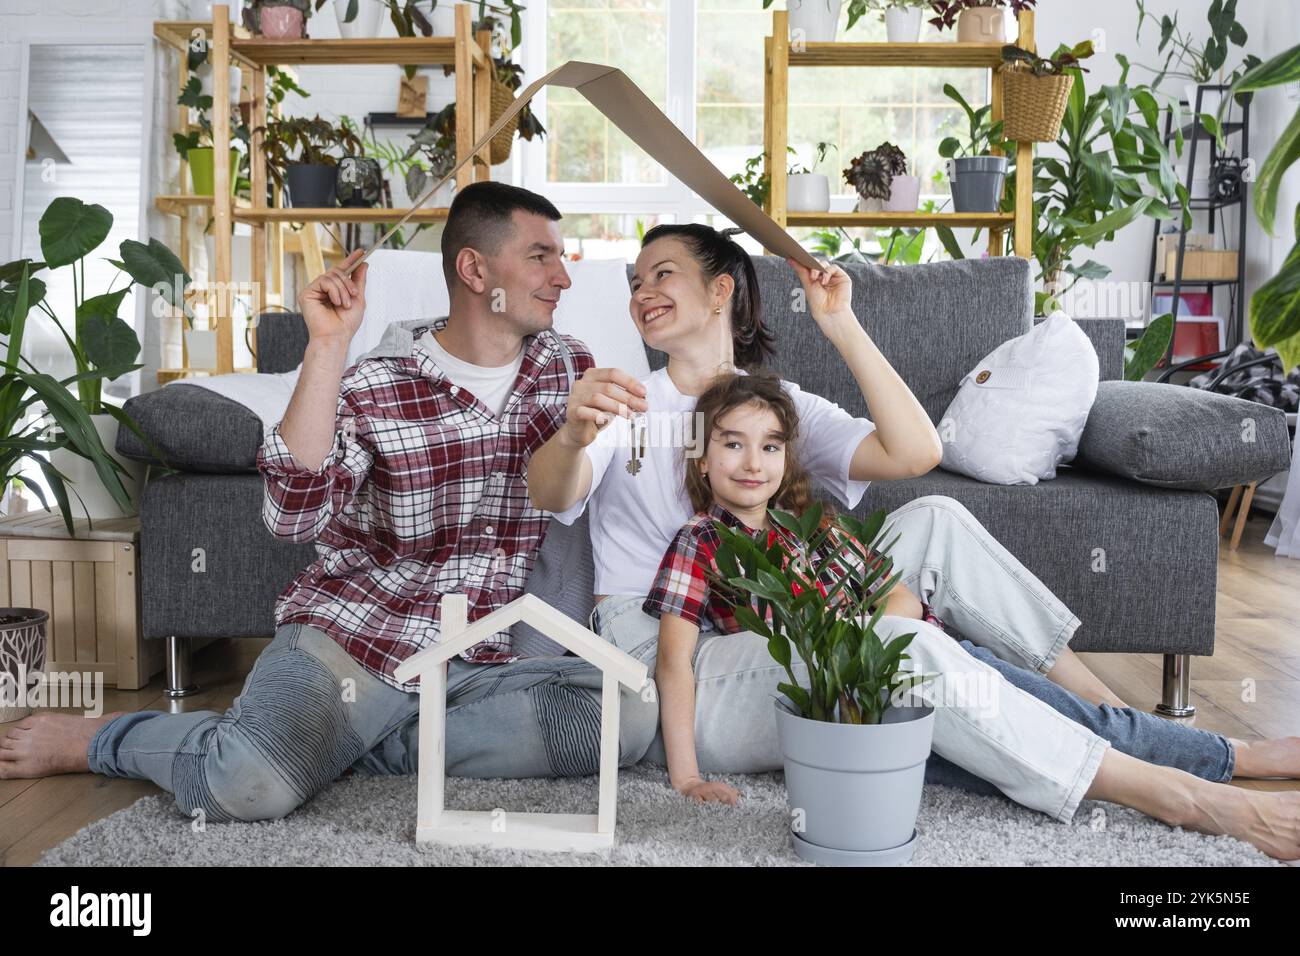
(424, 493)
(682, 585)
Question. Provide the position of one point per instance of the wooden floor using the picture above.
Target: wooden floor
(1249, 689)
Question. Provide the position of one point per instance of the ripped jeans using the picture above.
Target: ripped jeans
(296, 726)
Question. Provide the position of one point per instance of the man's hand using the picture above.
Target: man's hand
(333, 304)
(598, 396)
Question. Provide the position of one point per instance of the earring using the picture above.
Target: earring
(718, 310)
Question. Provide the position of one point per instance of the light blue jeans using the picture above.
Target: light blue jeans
(999, 725)
(308, 712)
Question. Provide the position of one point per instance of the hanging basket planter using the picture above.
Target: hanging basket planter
(1033, 106)
(502, 99)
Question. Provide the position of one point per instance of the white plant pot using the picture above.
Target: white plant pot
(96, 502)
(202, 10)
(201, 348)
(366, 22)
(22, 654)
(1210, 99)
(904, 194)
(808, 192)
(903, 24)
(870, 205)
(443, 16)
(813, 21)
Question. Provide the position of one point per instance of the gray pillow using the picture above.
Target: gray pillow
(563, 576)
(1173, 436)
(194, 428)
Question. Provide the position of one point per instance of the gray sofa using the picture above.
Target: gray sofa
(1127, 536)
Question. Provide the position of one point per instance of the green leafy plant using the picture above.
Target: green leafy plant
(853, 676)
(314, 141)
(820, 150)
(947, 11)
(982, 133)
(872, 174)
(103, 346)
(1054, 65)
(1275, 306)
(1188, 59)
(1145, 352)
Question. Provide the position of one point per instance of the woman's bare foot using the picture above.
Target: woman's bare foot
(1269, 821)
(1267, 758)
(45, 744)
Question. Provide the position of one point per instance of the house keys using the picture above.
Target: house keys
(637, 443)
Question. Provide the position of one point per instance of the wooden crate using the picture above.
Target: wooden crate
(1212, 264)
(90, 587)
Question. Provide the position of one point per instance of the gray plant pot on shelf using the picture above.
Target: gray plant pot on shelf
(311, 185)
(977, 182)
(359, 181)
(22, 656)
(854, 790)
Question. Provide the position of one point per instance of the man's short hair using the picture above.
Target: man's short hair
(480, 219)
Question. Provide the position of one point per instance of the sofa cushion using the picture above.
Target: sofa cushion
(1177, 437)
(195, 429)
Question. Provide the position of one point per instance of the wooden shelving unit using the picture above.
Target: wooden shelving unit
(780, 58)
(467, 53)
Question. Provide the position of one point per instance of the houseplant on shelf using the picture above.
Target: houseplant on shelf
(358, 19)
(278, 19)
(977, 175)
(1036, 90)
(103, 347)
(1186, 58)
(812, 21)
(856, 738)
(807, 191)
(195, 145)
(977, 21)
(298, 154)
(902, 17)
(881, 180)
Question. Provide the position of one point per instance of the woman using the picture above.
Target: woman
(695, 297)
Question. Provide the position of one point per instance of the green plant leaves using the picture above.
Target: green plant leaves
(1275, 310)
(9, 302)
(1141, 356)
(157, 267)
(71, 229)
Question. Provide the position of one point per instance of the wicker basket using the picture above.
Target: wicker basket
(1033, 106)
(502, 99)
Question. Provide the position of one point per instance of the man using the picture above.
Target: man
(408, 469)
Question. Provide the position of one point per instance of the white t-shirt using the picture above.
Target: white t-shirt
(634, 518)
(491, 386)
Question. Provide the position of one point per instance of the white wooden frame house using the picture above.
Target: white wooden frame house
(520, 831)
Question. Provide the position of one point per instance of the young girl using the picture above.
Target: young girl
(747, 466)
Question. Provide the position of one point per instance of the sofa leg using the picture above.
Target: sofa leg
(1176, 690)
(179, 683)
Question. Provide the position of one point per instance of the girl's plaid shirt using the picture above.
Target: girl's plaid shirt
(682, 585)
(424, 493)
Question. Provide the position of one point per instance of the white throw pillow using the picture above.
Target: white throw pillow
(1019, 413)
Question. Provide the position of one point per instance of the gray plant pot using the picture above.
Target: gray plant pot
(311, 186)
(977, 183)
(854, 790)
(22, 655)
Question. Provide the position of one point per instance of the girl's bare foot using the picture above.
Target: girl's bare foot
(45, 744)
(1269, 821)
(1267, 758)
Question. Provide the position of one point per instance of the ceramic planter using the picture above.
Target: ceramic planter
(201, 348)
(808, 192)
(359, 181)
(201, 172)
(813, 21)
(311, 185)
(95, 501)
(904, 194)
(977, 183)
(22, 654)
(982, 25)
(870, 205)
(903, 24)
(281, 23)
(854, 790)
(364, 24)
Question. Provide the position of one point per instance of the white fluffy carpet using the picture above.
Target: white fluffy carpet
(365, 821)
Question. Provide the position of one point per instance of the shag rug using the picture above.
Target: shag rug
(370, 821)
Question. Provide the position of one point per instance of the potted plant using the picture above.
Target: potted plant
(1036, 89)
(880, 178)
(855, 739)
(902, 17)
(22, 658)
(359, 181)
(298, 155)
(357, 19)
(807, 191)
(812, 21)
(278, 19)
(70, 443)
(977, 21)
(976, 175)
(1188, 59)
(195, 146)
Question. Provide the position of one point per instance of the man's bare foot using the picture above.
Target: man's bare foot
(1267, 758)
(1269, 821)
(45, 744)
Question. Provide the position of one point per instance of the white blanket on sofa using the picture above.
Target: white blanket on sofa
(409, 285)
